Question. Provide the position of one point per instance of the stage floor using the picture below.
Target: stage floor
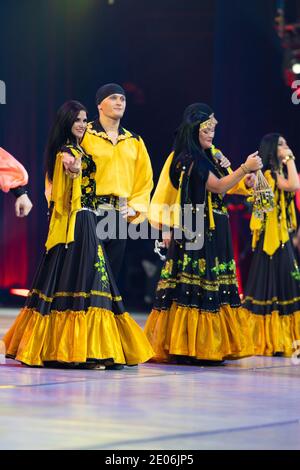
(248, 404)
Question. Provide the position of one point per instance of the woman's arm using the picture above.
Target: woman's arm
(291, 183)
(71, 164)
(222, 185)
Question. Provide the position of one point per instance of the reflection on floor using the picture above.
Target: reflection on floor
(248, 404)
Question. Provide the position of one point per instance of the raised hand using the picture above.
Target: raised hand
(253, 163)
(23, 206)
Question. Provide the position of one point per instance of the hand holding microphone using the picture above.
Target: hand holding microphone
(224, 162)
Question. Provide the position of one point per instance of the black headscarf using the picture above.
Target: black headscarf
(190, 162)
(107, 90)
(196, 113)
(188, 154)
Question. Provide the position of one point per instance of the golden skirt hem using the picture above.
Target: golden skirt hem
(275, 333)
(188, 331)
(71, 336)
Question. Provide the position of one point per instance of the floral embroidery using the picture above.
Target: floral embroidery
(166, 272)
(88, 186)
(231, 266)
(195, 265)
(85, 181)
(223, 267)
(216, 268)
(101, 267)
(186, 260)
(296, 273)
(202, 266)
(198, 266)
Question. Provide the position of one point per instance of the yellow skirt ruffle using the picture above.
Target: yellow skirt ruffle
(75, 337)
(275, 333)
(200, 334)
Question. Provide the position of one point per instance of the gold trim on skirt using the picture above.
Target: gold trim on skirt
(75, 337)
(188, 331)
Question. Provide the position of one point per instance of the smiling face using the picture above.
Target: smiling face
(79, 125)
(113, 106)
(207, 132)
(206, 137)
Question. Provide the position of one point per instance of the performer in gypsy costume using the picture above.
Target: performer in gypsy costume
(197, 314)
(123, 169)
(272, 293)
(74, 315)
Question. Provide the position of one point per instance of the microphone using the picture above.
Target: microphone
(219, 155)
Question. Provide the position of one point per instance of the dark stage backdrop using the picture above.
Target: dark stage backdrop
(167, 53)
(250, 96)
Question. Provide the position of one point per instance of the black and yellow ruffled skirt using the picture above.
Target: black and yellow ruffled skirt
(74, 313)
(197, 311)
(272, 300)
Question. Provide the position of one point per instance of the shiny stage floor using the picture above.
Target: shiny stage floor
(249, 404)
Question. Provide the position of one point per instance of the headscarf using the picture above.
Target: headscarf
(108, 90)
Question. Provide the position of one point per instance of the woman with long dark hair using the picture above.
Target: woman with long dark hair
(272, 293)
(74, 315)
(196, 316)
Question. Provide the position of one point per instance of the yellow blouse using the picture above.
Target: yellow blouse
(275, 228)
(65, 194)
(122, 170)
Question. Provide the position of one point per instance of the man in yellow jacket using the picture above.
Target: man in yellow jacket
(123, 176)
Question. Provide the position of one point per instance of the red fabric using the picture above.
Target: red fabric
(298, 197)
(13, 247)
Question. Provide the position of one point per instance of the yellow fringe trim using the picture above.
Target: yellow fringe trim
(204, 335)
(76, 336)
(274, 333)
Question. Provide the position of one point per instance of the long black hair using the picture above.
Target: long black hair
(186, 145)
(60, 133)
(268, 151)
(187, 135)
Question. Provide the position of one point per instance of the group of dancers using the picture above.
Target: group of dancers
(74, 314)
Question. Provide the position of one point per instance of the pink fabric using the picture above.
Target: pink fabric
(298, 197)
(12, 173)
(298, 200)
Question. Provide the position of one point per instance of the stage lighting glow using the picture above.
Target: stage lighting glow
(20, 292)
(296, 68)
